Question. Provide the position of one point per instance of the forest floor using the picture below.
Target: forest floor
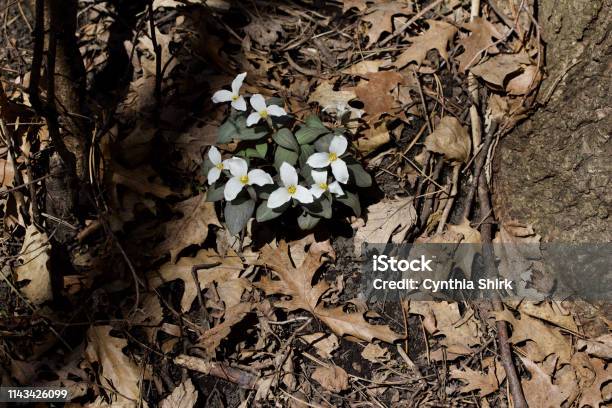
(157, 303)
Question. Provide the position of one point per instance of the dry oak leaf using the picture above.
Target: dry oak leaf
(375, 353)
(599, 347)
(360, 5)
(191, 229)
(183, 396)
(334, 102)
(542, 339)
(436, 37)
(297, 283)
(324, 343)
(591, 395)
(523, 83)
(376, 92)
(7, 173)
(117, 371)
(332, 378)
(539, 390)
(220, 269)
(451, 139)
(373, 137)
(495, 70)
(388, 219)
(212, 338)
(33, 266)
(480, 40)
(380, 16)
(138, 180)
(475, 380)
(364, 67)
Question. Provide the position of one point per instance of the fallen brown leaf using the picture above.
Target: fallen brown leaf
(481, 40)
(332, 378)
(539, 390)
(33, 266)
(451, 139)
(380, 16)
(183, 396)
(436, 37)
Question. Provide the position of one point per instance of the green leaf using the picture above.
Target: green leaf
(284, 155)
(308, 134)
(313, 121)
(264, 213)
(237, 214)
(259, 151)
(215, 192)
(285, 138)
(322, 144)
(321, 207)
(235, 128)
(362, 178)
(351, 200)
(307, 221)
(305, 153)
(227, 131)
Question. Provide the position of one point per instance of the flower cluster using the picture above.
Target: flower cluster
(312, 168)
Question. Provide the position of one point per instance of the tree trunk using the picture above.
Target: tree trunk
(553, 171)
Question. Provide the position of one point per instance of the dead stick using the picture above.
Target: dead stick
(220, 370)
(514, 382)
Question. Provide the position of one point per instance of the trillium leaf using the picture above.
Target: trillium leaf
(362, 178)
(235, 128)
(259, 151)
(215, 192)
(227, 131)
(284, 155)
(305, 153)
(322, 144)
(351, 200)
(265, 213)
(307, 134)
(286, 139)
(313, 121)
(238, 213)
(307, 221)
(263, 192)
(321, 208)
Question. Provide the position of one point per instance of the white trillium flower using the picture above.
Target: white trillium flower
(233, 96)
(241, 177)
(337, 147)
(218, 165)
(262, 110)
(320, 186)
(290, 188)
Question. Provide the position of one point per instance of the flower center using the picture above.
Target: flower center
(219, 166)
(333, 156)
(235, 97)
(244, 179)
(263, 113)
(323, 186)
(292, 189)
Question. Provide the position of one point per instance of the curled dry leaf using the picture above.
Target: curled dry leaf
(388, 219)
(191, 229)
(324, 343)
(591, 392)
(436, 37)
(332, 378)
(117, 371)
(297, 283)
(183, 396)
(481, 40)
(34, 266)
(450, 139)
(539, 390)
(599, 347)
(496, 69)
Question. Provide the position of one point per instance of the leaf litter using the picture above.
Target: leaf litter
(269, 308)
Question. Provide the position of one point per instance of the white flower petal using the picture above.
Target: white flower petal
(338, 145)
(274, 110)
(319, 177)
(336, 189)
(288, 175)
(237, 166)
(303, 195)
(259, 177)
(214, 155)
(239, 104)
(222, 96)
(213, 175)
(316, 190)
(232, 188)
(340, 171)
(318, 160)
(258, 102)
(278, 198)
(253, 118)
(237, 83)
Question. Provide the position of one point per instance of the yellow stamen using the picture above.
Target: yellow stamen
(333, 156)
(235, 97)
(219, 166)
(292, 189)
(263, 114)
(244, 179)
(323, 186)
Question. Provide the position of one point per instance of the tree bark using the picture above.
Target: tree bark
(553, 171)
